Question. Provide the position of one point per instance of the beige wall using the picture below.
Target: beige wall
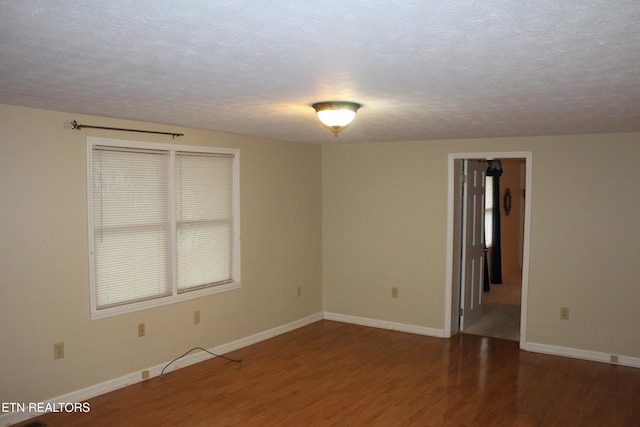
(510, 224)
(510, 230)
(385, 220)
(345, 222)
(44, 295)
(384, 216)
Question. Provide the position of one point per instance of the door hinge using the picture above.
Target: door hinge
(464, 179)
(461, 312)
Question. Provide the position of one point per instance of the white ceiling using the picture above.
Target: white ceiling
(422, 69)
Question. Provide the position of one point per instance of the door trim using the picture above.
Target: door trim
(451, 309)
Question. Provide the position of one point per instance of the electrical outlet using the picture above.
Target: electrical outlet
(299, 291)
(141, 330)
(58, 350)
(564, 313)
(394, 292)
(196, 317)
(145, 374)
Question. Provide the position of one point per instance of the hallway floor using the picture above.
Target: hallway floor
(501, 318)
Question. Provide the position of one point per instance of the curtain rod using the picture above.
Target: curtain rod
(75, 125)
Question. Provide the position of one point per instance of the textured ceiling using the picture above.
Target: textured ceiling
(422, 69)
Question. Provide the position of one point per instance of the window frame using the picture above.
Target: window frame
(175, 296)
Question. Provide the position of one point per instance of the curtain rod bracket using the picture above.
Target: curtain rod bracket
(75, 125)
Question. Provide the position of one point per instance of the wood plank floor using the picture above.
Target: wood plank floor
(336, 374)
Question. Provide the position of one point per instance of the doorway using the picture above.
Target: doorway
(515, 281)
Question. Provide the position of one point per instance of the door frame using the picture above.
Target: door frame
(452, 280)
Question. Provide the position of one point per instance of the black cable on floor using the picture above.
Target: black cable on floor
(205, 350)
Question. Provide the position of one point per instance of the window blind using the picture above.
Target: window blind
(204, 220)
(163, 223)
(131, 246)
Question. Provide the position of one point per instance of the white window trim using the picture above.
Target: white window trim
(175, 297)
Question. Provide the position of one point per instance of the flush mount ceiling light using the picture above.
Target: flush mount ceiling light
(336, 115)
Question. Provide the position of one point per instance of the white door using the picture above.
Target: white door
(473, 242)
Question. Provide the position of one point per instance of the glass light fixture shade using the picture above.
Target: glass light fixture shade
(336, 114)
(336, 118)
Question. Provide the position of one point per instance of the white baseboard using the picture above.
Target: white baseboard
(154, 371)
(576, 353)
(383, 324)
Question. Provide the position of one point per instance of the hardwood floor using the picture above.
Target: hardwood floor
(336, 374)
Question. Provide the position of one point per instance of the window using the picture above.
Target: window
(488, 211)
(163, 223)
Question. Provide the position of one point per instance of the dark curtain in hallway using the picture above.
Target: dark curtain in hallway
(495, 171)
(486, 285)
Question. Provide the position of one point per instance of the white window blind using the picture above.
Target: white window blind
(131, 228)
(204, 226)
(163, 223)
